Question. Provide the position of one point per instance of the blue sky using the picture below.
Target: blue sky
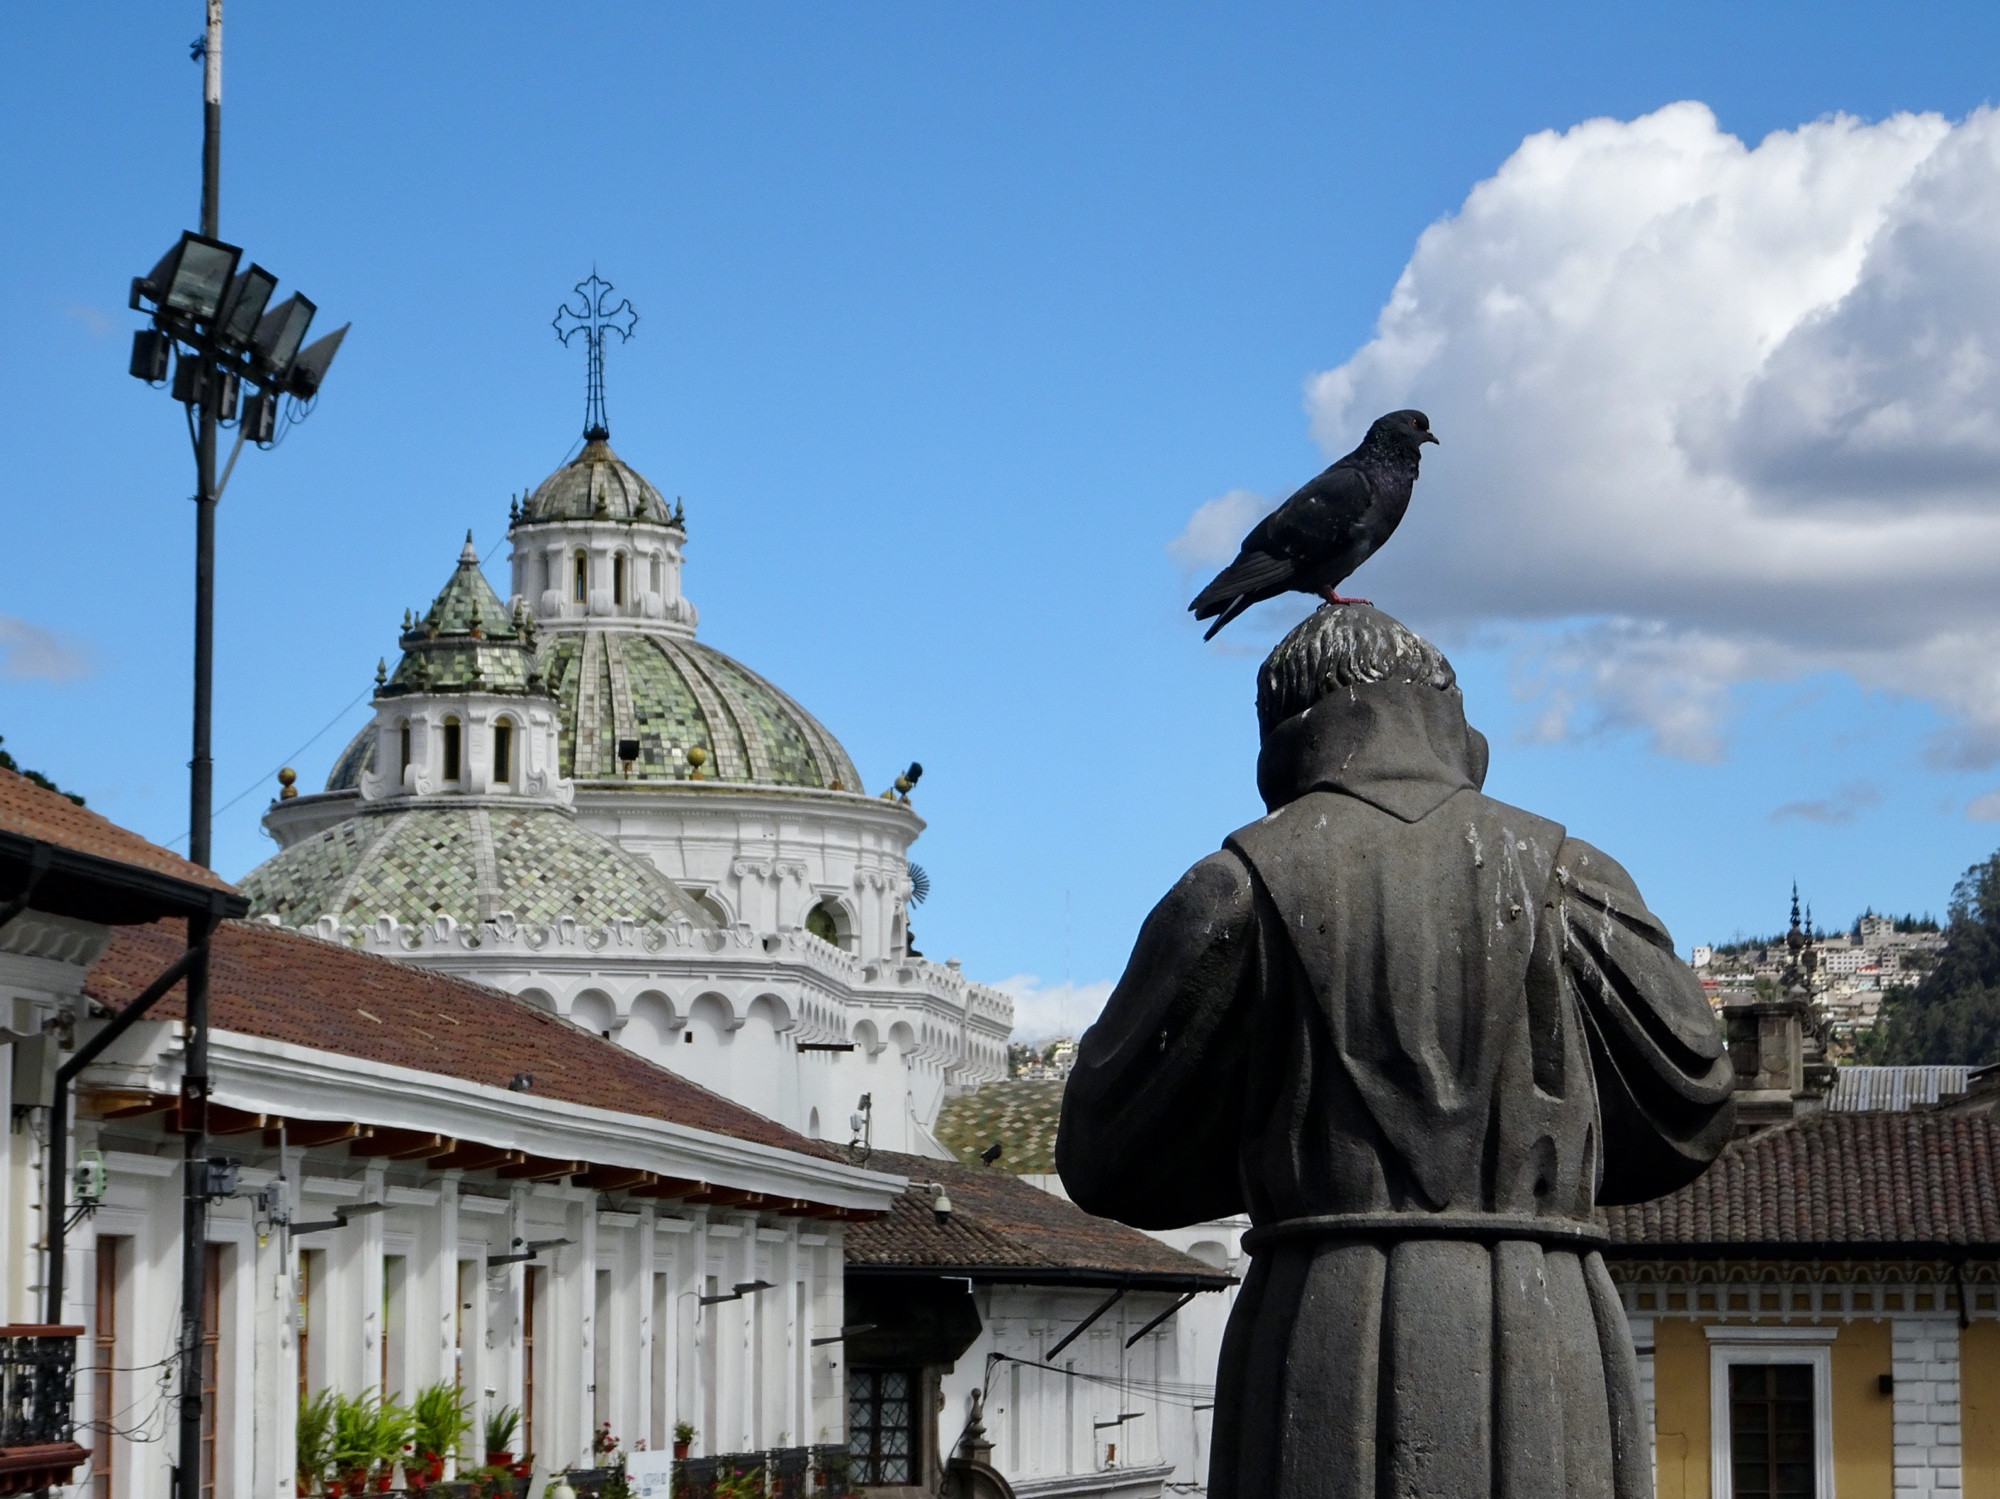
(953, 317)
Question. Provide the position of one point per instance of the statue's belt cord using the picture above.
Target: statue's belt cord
(1483, 1228)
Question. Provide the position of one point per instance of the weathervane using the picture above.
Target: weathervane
(593, 319)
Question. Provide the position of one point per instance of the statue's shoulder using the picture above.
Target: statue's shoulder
(1307, 826)
(1303, 818)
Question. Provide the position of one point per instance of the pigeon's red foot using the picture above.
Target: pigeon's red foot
(1340, 598)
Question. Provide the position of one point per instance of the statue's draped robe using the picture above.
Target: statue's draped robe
(1414, 1033)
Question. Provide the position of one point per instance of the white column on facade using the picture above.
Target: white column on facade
(698, 1403)
(365, 1274)
(273, 1298)
(437, 1305)
(576, 1275)
(645, 1259)
(1924, 1363)
(794, 1371)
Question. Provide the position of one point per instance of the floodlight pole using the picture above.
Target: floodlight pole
(201, 782)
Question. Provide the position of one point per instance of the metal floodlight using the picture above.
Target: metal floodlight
(279, 333)
(249, 295)
(188, 379)
(150, 354)
(191, 277)
(260, 417)
(228, 387)
(311, 365)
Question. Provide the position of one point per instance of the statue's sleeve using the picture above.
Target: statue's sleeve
(1151, 1110)
(1663, 1074)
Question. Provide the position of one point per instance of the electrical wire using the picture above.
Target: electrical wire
(266, 776)
(1166, 1392)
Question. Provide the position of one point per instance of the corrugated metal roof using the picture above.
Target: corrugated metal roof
(1893, 1090)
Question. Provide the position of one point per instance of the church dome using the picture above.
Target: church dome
(469, 863)
(597, 485)
(672, 694)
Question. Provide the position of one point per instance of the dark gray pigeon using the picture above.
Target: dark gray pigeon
(1328, 528)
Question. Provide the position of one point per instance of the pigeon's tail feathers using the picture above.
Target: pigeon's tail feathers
(1236, 606)
(1252, 577)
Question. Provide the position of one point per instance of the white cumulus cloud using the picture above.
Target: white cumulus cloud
(1042, 1012)
(1711, 413)
(27, 651)
(1216, 528)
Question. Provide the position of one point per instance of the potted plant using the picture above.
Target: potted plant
(391, 1435)
(353, 1441)
(441, 1415)
(500, 1428)
(683, 1440)
(315, 1441)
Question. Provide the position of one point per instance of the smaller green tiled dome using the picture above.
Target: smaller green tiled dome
(465, 641)
(598, 485)
(469, 863)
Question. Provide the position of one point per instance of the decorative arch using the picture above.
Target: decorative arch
(831, 920)
(595, 1010)
(541, 999)
(713, 1018)
(868, 1038)
(772, 1009)
(653, 1024)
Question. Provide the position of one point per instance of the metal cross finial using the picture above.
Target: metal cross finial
(590, 313)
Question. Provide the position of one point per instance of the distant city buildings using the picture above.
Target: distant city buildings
(1846, 975)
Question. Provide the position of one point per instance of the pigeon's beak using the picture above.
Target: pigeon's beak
(1427, 437)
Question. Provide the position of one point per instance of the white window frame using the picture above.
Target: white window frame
(1728, 1346)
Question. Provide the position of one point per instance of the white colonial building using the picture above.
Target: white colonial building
(570, 797)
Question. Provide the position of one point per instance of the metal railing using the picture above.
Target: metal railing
(37, 1384)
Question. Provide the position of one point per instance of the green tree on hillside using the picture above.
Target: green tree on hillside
(1952, 1014)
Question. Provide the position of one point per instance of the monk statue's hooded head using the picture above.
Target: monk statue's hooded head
(1352, 701)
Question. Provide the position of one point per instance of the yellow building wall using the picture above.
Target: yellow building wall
(1863, 1434)
(1979, 1408)
(1863, 1437)
(1680, 1408)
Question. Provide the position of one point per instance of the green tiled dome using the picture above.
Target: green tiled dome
(672, 694)
(597, 485)
(469, 863)
(465, 640)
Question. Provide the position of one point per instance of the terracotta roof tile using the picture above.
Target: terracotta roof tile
(1002, 1228)
(49, 817)
(281, 986)
(1837, 1178)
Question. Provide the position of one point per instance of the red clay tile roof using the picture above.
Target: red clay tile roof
(280, 986)
(1836, 1178)
(49, 817)
(1001, 1228)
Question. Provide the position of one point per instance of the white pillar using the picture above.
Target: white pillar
(1924, 1362)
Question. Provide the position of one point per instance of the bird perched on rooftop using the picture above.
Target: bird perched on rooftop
(1327, 528)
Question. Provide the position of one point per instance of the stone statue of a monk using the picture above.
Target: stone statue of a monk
(1415, 1034)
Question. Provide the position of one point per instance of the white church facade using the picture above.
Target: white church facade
(568, 796)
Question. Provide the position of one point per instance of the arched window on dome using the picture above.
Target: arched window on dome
(451, 749)
(581, 590)
(828, 922)
(659, 579)
(503, 754)
(618, 580)
(403, 769)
